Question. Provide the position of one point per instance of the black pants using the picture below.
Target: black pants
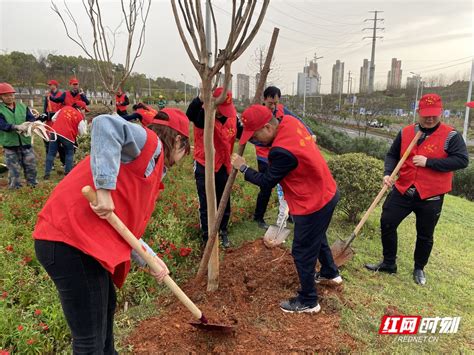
(221, 179)
(395, 208)
(310, 244)
(61, 151)
(87, 295)
(263, 196)
(122, 113)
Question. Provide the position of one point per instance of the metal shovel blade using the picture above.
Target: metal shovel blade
(341, 253)
(275, 236)
(212, 327)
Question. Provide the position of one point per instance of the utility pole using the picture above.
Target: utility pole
(418, 79)
(349, 83)
(372, 56)
(304, 91)
(466, 114)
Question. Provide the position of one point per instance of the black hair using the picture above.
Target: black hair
(271, 91)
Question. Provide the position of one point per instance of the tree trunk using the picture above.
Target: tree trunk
(209, 122)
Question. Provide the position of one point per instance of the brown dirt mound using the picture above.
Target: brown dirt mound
(253, 281)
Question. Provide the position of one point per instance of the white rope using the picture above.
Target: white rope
(42, 130)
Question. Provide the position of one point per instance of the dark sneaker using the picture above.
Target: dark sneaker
(419, 277)
(293, 305)
(224, 239)
(382, 267)
(46, 177)
(261, 223)
(335, 281)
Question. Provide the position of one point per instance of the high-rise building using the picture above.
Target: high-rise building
(411, 82)
(337, 77)
(394, 77)
(309, 81)
(364, 77)
(243, 87)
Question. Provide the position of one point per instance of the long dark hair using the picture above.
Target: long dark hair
(168, 136)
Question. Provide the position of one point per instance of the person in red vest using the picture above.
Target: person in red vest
(80, 251)
(422, 182)
(144, 113)
(121, 103)
(271, 99)
(69, 122)
(310, 191)
(227, 128)
(75, 94)
(49, 109)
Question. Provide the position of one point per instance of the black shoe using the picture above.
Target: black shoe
(294, 305)
(261, 223)
(382, 267)
(224, 239)
(419, 277)
(46, 177)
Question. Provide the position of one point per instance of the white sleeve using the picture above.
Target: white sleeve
(82, 127)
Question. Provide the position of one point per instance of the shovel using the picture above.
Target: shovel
(125, 233)
(341, 250)
(275, 235)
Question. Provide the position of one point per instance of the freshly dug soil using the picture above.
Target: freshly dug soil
(253, 280)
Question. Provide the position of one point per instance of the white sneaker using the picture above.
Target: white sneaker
(336, 281)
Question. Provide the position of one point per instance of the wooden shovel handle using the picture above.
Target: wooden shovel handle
(128, 236)
(383, 190)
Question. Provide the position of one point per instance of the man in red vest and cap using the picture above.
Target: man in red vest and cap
(75, 94)
(227, 128)
(310, 191)
(422, 182)
(69, 122)
(49, 109)
(121, 103)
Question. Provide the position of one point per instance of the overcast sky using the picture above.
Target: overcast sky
(431, 37)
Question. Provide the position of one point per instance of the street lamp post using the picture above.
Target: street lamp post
(418, 78)
(184, 78)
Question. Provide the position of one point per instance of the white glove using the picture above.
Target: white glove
(22, 128)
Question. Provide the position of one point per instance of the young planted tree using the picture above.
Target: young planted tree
(189, 13)
(104, 38)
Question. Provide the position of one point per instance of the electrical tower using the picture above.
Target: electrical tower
(372, 56)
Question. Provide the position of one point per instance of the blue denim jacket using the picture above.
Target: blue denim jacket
(115, 141)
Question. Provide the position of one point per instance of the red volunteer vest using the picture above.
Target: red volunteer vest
(310, 186)
(428, 182)
(262, 152)
(70, 100)
(54, 107)
(68, 218)
(119, 100)
(67, 122)
(147, 115)
(224, 138)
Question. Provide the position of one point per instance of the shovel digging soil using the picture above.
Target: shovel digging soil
(276, 235)
(341, 250)
(125, 233)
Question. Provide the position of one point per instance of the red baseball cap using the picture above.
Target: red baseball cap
(226, 108)
(177, 120)
(470, 104)
(53, 82)
(73, 81)
(253, 119)
(430, 105)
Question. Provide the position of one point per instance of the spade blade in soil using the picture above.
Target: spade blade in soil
(212, 327)
(275, 235)
(341, 253)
